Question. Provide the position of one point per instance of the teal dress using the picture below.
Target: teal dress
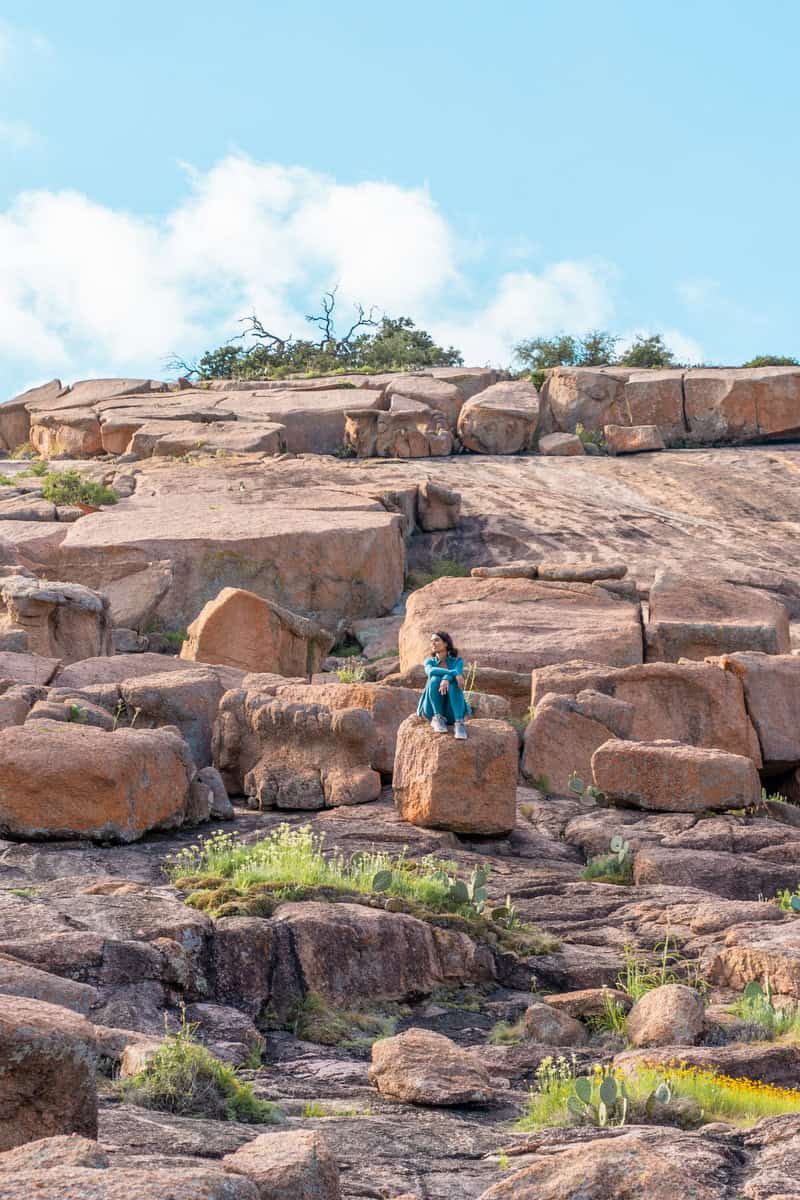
(453, 707)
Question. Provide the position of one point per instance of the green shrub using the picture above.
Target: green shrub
(185, 1078)
(70, 487)
(772, 360)
(611, 1019)
(440, 568)
(355, 674)
(507, 1033)
(6, 481)
(24, 450)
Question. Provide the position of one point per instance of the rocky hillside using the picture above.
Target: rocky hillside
(263, 933)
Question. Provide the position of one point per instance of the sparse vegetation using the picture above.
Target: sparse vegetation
(175, 638)
(772, 360)
(756, 1008)
(355, 674)
(314, 1020)
(641, 974)
(227, 877)
(615, 867)
(587, 793)
(590, 437)
(439, 569)
(669, 1093)
(6, 481)
(185, 1078)
(77, 715)
(24, 450)
(790, 901)
(611, 1019)
(507, 1033)
(70, 487)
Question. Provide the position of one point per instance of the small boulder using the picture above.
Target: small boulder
(295, 1165)
(47, 1072)
(665, 776)
(563, 445)
(467, 787)
(55, 620)
(421, 1067)
(632, 439)
(671, 1015)
(550, 1027)
(63, 1150)
(588, 1002)
(502, 419)
(241, 629)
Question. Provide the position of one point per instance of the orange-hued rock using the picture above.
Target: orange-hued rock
(588, 396)
(632, 439)
(772, 693)
(408, 430)
(388, 707)
(694, 617)
(122, 1183)
(65, 780)
(296, 1165)
(27, 668)
(668, 1015)
(500, 420)
(665, 776)
(285, 754)
(439, 395)
(466, 786)
(345, 950)
(48, 1057)
(520, 624)
(313, 421)
(73, 432)
(743, 404)
(689, 702)
(656, 398)
(240, 629)
(561, 445)
(564, 733)
(326, 551)
(422, 1067)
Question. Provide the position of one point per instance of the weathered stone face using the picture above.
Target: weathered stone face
(694, 617)
(521, 624)
(632, 439)
(420, 1067)
(47, 1084)
(239, 629)
(53, 620)
(468, 787)
(287, 754)
(501, 420)
(70, 780)
(668, 776)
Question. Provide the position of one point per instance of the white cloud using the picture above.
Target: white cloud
(87, 287)
(571, 296)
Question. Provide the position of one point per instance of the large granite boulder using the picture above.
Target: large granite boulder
(520, 624)
(295, 1165)
(588, 396)
(771, 685)
(464, 786)
(408, 429)
(692, 617)
(666, 776)
(422, 1067)
(53, 620)
(577, 706)
(736, 405)
(240, 629)
(68, 780)
(285, 754)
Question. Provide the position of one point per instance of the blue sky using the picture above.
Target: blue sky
(493, 170)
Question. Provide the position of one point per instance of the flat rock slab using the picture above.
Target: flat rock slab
(666, 776)
(176, 543)
(82, 1183)
(522, 624)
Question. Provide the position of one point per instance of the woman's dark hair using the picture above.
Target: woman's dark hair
(448, 641)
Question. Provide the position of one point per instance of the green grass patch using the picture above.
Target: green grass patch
(23, 451)
(355, 674)
(507, 1033)
(611, 1019)
(185, 1078)
(440, 568)
(175, 638)
(314, 1020)
(790, 901)
(226, 877)
(667, 965)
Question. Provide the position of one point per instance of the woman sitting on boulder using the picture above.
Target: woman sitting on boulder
(443, 702)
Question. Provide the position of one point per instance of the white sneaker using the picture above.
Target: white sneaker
(459, 732)
(438, 724)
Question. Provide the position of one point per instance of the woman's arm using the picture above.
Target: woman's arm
(432, 669)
